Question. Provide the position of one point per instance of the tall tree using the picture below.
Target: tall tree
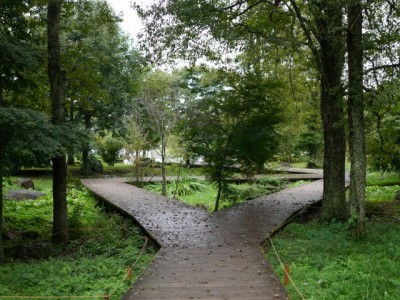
(159, 96)
(102, 68)
(356, 114)
(232, 121)
(328, 51)
(317, 24)
(57, 78)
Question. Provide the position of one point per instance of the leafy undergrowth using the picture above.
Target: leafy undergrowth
(93, 263)
(202, 193)
(327, 263)
(379, 178)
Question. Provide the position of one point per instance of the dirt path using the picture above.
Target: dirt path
(203, 255)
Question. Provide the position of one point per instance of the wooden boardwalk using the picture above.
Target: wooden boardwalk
(203, 255)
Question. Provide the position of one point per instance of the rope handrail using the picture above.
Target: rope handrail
(276, 252)
(284, 269)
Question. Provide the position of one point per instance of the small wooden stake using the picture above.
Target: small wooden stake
(129, 271)
(123, 232)
(286, 280)
(106, 297)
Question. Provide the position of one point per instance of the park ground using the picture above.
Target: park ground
(325, 261)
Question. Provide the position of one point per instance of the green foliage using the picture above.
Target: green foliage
(381, 193)
(379, 178)
(184, 187)
(109, 148)
(326, 263)
(232, 119)
(20, 53)
(102, 66)
(28, 138)
(93, 263)
(202, 193)
(236, 193)
(204, 199)
(297, 183)
(382, 119)
(274, 181)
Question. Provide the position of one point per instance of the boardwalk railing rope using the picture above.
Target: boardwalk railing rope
(276, 252)
(127, 275)
(284, 269)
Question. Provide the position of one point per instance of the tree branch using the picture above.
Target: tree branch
(393, 7)
(307, 31)
(397, 65)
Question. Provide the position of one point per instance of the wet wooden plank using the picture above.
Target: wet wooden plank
(206, 256)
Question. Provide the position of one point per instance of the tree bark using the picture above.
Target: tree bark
(328, 53)
(356, 117)
(219, 187)
(71, 158)
(57, 79)
(331, 41)
(334, 196)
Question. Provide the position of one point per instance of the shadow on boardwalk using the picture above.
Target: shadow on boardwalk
(203, 255)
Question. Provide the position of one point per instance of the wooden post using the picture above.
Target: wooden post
(286, 280)
(129, 271)
(123, 232)
(106, 297)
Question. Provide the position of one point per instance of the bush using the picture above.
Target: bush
(109, 148)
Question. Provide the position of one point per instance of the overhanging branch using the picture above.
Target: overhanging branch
(388, 66)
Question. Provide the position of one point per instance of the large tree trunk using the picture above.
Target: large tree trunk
(329, 58)
(334, 197)
(60, 209)
(356, 116)
(331, 40)
(57, 79)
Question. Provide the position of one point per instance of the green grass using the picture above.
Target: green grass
(325, 263)
(300, 165)
(204, 199)
(203, 193)
(381, 193)
(93, 263)
(386, 178)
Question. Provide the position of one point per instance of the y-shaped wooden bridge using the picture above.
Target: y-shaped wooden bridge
(203, 255)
